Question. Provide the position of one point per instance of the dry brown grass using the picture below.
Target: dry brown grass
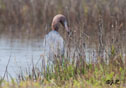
(96, 23)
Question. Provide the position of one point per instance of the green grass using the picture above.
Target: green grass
(80, 75)
(24, 18)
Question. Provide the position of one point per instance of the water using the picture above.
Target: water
(21, 54)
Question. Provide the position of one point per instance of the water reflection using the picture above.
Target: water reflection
(20, 53)
(23, 52)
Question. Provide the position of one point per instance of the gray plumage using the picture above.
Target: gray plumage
(53, 44)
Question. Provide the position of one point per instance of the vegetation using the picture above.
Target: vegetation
(73, 74)
(90, 21)
(94, 23)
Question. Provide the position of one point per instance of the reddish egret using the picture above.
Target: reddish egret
(53, 43)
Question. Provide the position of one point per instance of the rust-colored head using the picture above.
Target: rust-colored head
(59, 19)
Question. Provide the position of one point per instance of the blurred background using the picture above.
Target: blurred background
(98, 25)
(33, 18)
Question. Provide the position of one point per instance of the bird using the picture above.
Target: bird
(53, 44)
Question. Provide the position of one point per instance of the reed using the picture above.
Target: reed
(98, 24)
(78, 74)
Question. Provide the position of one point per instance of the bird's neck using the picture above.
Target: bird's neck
(55, 29)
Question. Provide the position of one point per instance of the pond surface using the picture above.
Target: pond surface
(21, 54)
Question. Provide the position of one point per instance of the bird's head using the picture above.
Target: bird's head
(60, 19)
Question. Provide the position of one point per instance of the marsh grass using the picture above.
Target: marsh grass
(98, 24)
(68, 74)
(33, 18)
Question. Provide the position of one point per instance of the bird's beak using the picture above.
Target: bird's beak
(68, 31)
(66, 27)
